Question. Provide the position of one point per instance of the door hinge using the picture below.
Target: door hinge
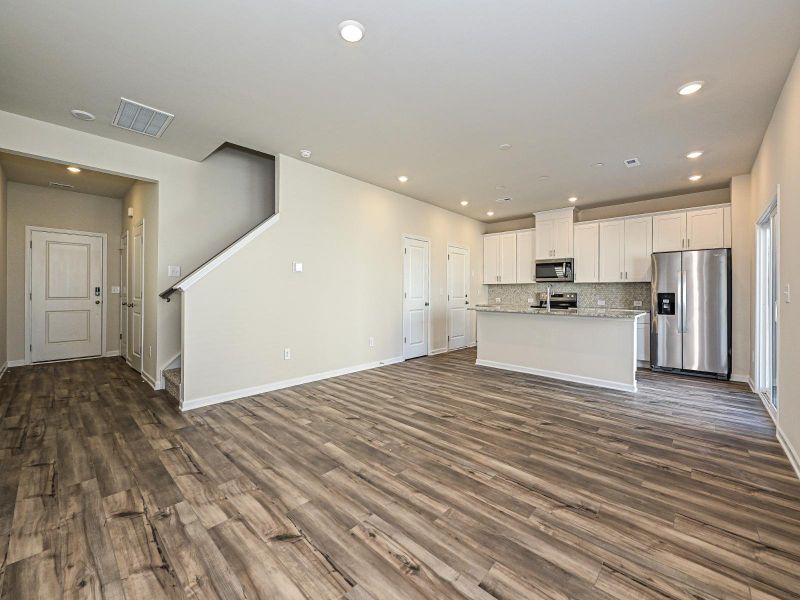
(30, 295)
(120, 336)
(30, 347)
(30, 244)
(405, 340)
(405, 250)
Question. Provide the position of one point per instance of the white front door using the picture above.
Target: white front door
(135, 332)
(66, 295)
(416, 256)
(457, 297)
(123, 296)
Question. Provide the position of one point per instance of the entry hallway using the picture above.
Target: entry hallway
(429, 479)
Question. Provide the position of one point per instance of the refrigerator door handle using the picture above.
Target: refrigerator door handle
(683, 302)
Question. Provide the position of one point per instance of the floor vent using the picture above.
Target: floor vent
(632, 162)
(141, 119)
(61, 186)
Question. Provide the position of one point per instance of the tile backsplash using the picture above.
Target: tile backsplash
(616, 295)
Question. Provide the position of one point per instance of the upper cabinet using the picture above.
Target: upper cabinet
(612, 250)
(554, 233)
(500, 258)
(525, 250)
(638, 248)
(587, 252)
(694, 229)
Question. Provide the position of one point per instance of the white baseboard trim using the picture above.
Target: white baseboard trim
(279, 385)
(769, 408)
(149, 379)
(791, 454)
(3, 369)
(111, 353)
(437, 351)
(604, 383)
(16, 363)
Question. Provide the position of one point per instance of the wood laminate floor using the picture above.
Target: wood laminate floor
(429, 479)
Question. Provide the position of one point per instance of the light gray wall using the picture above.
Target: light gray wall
(776, 166)
(3, 268)
(348, 235)
(49, 207)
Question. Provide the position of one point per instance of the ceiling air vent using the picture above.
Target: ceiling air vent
(504, 200)
(632, 162)
(61, 186)
(141, 119)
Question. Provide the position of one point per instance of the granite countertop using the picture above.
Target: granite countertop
(603, 313)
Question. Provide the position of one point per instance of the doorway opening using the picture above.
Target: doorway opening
(416, 296)
(767, 304)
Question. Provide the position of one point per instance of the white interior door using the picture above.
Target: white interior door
(136, 294)
(123, 296)
(416, 297)
(457, 297)
(66, 295)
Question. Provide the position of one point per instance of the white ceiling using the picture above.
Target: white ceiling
(431, 91)
(23, 169)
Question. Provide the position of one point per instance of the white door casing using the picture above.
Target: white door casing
(66, 294)
(136, 296)
(458, 279)
(416, 296)
(123, 296)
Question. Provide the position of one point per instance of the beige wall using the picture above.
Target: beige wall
(143, 198)
(742, 253)
(348, 235)
(48, 207)
(777, 164)
(625, 209)
(194, 199)
(3, 267)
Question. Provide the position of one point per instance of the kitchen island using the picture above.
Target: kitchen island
(594, 346)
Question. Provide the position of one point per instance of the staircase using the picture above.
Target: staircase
(172, 383)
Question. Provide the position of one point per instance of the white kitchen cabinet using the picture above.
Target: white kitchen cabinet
(554, 233)
(643, 338)
(587, 252)
(612, 251)
(705, 228)
(544, 239)
(525, 250)
(727, 236)
(638, 248)
(508, 258)
(491, 259)
(500, 258)
(669, 231)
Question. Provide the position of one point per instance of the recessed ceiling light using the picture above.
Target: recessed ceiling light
(82, 115)
(73, 169)
(499, 187)
(464, 203)
(690, 88)
(505, 146)
(544, 177)
(305, 153)
(695, 178)
(573, 199)
(351, 31)
(489, 213)
(695, 154)
(402, 179)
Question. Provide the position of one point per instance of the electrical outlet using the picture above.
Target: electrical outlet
(530, 300)
(287, 354)
(297, 267)
(637, 304)
(787, 294)
(150, 351)
(497, 300)
(173, 271)
(601, 303)
(115, 289)
(371, 342)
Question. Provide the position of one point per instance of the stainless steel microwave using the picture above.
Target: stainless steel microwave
(554, 269)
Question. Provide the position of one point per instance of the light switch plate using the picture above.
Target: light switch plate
(297, 267)
(601, 303)
(115, 289)
(637, 304)
(787, 293)
(173, 271)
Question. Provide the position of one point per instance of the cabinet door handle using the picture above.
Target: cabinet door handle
(688, 242)
(620, 275)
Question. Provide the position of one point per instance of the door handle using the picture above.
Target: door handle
(466, 302)
(427, 304)
(97, 301)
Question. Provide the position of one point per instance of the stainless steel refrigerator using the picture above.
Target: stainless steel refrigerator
(691, 312)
